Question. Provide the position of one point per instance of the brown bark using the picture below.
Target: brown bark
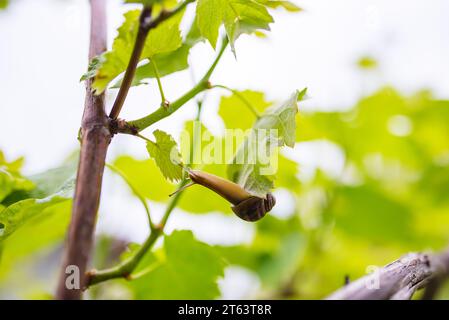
(398, 280)
(96, 137)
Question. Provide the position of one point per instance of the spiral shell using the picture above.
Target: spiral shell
(254, 208)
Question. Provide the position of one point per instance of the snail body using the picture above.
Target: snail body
(245, 205)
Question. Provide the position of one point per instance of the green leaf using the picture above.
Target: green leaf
(287, 5)
(163, 39)
(274, 254)
(93, 67)
(286, 177)
(236, 104)
(190, 270)
(367, 213)
(243, 16)
(252, 167)
(165, 152)
(209, 17)
(52, 187)
(17, 214)
(10, 178)
(167, 63)
(144, 174)
(283, 119)
(42, 232)
(367, 62)
(238, 17)
(4, 4)
(194, 199)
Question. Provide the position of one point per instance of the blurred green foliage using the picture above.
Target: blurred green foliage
(389, 198)
(3, 4)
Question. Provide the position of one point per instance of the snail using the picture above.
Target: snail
(245, 205)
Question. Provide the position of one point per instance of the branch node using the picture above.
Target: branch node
(122, 126)
(165, 104)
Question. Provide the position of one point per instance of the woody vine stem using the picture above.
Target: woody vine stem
(97, 131)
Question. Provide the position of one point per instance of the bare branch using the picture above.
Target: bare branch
(397, 281)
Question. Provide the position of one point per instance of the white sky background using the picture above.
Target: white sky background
(43, 50)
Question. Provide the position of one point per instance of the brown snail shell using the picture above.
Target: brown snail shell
(254, 208)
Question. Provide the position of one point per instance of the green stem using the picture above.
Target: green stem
(164, 101)
(172, 204)
(124, 269)
(242, 98)
(161, 112)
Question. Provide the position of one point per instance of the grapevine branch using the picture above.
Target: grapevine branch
(132, 127)
(95, 137)
(398, 280)
(97, 130)
(124, 269)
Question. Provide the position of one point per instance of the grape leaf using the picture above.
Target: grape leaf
(244, 16)
(18, 213)
(238, 17)
(4, 4)
(287, 5)
(368, 213)
(274, 254)
(163, 39)
(93, 67)
(252, 166)
(283, 119)
(165, 152)
(236, 104)
(37, 235)
(10, 177)
(190, 270)
(209, 17)
(144, 174)
(167, 63)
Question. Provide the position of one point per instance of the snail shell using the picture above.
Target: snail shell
(254, 208)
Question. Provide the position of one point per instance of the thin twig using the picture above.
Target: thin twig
(132, 65)
(241, 98)
(124, 269)
(164, 102)
(161, 112)
(135, 191)
(145, 26)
